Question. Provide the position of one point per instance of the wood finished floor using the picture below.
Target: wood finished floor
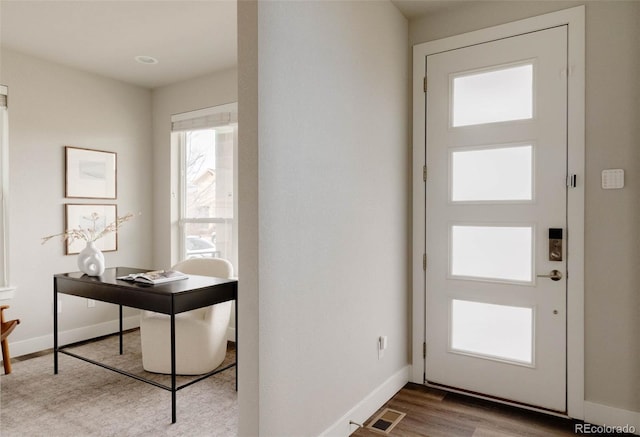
(435, 413)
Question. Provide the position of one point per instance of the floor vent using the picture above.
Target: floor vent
(385, 421)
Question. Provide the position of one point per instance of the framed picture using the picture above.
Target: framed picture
(93, 218)
(90, 174)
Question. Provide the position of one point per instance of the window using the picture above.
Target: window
(509, 89)
(497, 331)
(492, 252)
(491, 174)
(207, 140)
(6, 292)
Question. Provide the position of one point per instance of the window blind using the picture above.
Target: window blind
(205, 118)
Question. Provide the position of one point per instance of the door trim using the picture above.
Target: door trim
(574, 18)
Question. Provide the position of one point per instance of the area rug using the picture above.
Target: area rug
(87, 400)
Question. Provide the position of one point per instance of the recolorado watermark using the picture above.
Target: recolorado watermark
(588, 428)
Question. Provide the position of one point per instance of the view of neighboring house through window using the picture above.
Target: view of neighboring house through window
(208, 144)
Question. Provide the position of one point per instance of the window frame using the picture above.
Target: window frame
(180, 252)
(6, 290)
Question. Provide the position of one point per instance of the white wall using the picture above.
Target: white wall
(203, 92)
(248, 222)
(333, 154)
(612, 243)
(52, 106)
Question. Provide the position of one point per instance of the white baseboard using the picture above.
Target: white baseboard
(599, 414)
(37, 344)
(369, 405)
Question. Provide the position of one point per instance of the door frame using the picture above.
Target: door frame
(574, 18)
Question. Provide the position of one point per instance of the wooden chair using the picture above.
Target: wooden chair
(5, 329)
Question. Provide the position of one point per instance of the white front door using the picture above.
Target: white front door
(496, 157)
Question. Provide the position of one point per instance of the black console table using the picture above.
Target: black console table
(170, 298)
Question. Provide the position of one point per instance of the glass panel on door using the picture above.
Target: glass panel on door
(492, 174)
(493, 331)
(502, 253)
(501, 94)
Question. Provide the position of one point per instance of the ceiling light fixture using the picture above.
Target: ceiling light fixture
(146, 59)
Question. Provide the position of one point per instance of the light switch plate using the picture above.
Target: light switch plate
(612, 179)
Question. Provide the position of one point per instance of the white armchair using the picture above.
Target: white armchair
(201, 335)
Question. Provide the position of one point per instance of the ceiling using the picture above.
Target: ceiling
(188, 38)
(416, 8)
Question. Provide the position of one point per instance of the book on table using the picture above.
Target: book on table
(155, 277)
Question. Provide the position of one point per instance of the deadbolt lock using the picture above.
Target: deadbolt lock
(555, 244)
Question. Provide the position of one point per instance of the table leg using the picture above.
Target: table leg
(173, 367)
(121, 348)
(55, 326)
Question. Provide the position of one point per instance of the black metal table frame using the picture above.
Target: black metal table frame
(94, 288)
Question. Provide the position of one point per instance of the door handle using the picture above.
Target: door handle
(554, 275)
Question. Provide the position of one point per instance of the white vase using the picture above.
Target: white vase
(91, 260)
